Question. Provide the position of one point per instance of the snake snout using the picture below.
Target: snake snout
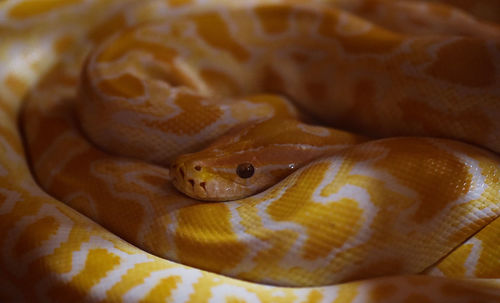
(188, 179)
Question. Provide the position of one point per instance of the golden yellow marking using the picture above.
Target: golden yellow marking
(346, 293)
(454, 265)
(97, 265)
(488, 263)
(279, 244)
(331, 231)
(211, 225)
(163, 290)
(314, 296)
(214, 30)
(327, 232)
(435, 168)
(126, 86)
(192, 109)
(35, 234)
(489, 259)
(77, 235)
(135, 276)
(31, 8)
(222, 83)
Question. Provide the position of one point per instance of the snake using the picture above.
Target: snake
(249, 151)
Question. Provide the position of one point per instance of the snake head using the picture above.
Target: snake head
(216, 175)
(253, 158)
(238, 164)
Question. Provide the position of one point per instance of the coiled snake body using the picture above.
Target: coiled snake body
(397, 202)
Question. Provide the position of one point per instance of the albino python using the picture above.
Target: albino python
(109, 108)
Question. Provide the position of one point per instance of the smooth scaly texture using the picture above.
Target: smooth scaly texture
(392, 207)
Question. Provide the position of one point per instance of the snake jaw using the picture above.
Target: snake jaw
(199, 183)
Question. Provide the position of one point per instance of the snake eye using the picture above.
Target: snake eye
(245, 170)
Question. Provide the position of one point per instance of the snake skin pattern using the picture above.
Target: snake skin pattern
(98, 97)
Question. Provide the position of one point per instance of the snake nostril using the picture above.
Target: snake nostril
(203, 184)
(182, 172)
(191, 181)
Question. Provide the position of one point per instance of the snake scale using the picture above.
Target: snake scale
(114, 114)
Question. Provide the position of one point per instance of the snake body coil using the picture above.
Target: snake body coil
(124, 103)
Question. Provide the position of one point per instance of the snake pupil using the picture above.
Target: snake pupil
(245, 170)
